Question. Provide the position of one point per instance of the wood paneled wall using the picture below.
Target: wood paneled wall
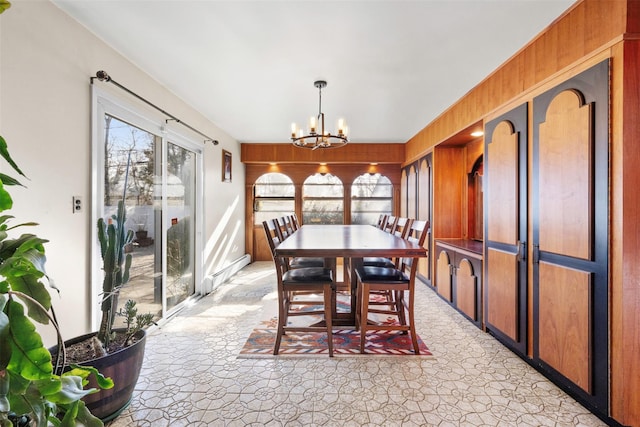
(625, 230)
(449, 190)
(584, 29)
(349, 154)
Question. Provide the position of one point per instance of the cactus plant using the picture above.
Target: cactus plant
(116, 263)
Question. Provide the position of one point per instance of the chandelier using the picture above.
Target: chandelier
(319, 137)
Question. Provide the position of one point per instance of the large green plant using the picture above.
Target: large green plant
(30, 390)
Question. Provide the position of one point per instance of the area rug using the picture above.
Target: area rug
(345, 341)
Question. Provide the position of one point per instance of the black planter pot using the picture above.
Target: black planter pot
(123, 367)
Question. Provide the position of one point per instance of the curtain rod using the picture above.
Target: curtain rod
(104, 77)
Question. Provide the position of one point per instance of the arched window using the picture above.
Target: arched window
(322, 200)
(273, 196)
(371, 195)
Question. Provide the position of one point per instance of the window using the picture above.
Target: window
(322, 200)
(371, 196)
(273, 196)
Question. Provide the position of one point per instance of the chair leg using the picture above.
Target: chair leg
(412, 323)
(399, 301)
(282, 319)
(363, 297)
(358, 305)
(328, 308)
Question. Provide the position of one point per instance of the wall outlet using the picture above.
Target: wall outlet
(77, 204)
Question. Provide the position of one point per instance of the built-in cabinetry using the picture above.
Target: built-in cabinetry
(546, 253)
(459, 275)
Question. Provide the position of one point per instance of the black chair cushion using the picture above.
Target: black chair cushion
(377, 262)
(381, 274)
(308, 274)
(301, 262)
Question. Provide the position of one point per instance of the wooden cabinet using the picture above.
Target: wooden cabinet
(505, 191)
(570, 235)
(546, 254)
(459, 276)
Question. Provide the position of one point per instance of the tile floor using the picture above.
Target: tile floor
(192, 376)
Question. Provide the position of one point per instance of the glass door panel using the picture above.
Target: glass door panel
(180, 228)
(130, 174)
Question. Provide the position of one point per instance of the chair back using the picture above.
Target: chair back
(417, 233)
(382, 221)
(288, 225)
(390, 224)
(271, 230)
(294, 221)
(281, 228)
(402, 227)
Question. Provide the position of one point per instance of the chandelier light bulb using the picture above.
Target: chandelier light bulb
(312, 125)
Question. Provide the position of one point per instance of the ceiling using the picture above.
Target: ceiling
(249, 66)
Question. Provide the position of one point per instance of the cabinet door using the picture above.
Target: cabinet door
(443, 273)
(467, 287)
(570, 235)
(505, 181)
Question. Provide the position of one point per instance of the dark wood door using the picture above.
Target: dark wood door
(570, 235)
(505, 192)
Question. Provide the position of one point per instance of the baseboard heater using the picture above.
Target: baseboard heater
(216, 279)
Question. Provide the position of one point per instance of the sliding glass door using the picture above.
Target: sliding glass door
(156, 176)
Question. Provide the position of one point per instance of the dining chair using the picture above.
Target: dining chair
(294, 288)
(294, 222)
(390, 224)
(271, 231)
(284, 226)
(274, 232)
(291, 225)
(400, 282)
(382, 221)
(400, 229)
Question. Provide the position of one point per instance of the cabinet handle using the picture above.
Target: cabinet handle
(536, 254)
(522, 251)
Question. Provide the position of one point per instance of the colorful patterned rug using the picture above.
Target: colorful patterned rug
(345, 341)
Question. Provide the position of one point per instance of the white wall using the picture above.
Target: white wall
(46, 60)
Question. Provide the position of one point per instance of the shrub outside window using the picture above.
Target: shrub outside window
(371, 196)
(322, 200)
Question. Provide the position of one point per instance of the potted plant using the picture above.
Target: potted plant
(115, 352)
(142, 235)
(32, 392)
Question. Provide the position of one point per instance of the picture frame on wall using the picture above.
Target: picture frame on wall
(226, 166)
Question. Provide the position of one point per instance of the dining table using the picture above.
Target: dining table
(350, 242)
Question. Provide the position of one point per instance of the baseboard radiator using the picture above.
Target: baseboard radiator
(216, 279)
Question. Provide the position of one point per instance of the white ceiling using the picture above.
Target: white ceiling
(249, 66)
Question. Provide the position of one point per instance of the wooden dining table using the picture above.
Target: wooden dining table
(350, 242)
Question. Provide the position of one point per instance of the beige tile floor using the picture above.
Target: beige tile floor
(192, 376)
